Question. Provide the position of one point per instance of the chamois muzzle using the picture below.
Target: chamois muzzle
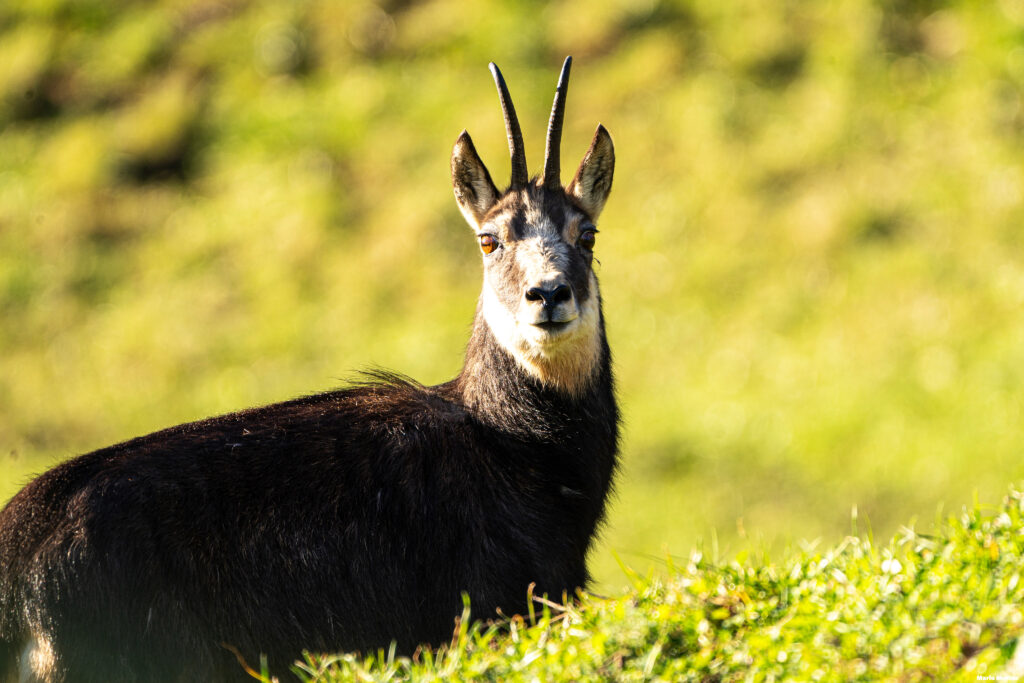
(549, 297)
(549, 305)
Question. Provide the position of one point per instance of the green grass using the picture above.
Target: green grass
(944, 605)
(811, 260)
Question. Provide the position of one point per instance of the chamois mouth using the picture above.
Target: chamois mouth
(553, 326)
(550, 331)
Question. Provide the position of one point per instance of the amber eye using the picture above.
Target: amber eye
(488, 243)
(587, 239)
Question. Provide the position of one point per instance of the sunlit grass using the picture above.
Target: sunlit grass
(937, 605)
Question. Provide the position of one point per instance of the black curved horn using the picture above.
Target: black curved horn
(552, 172)
(515, 134)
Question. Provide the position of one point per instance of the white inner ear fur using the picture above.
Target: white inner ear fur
(567, 362)
(483, 190)
(484, 201)
(593, 179)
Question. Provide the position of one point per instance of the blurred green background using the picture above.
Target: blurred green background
(812, 260)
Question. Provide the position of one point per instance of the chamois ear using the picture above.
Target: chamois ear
(593, 179)
(474, 190)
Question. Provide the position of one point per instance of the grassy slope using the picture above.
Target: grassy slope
(811, 260)
(941, 606)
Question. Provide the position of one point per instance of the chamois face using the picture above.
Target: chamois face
(540, 297)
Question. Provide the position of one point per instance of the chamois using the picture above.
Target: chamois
(351, 519)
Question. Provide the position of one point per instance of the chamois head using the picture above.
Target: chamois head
(540, 297)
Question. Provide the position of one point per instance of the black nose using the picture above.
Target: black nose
(550, 297)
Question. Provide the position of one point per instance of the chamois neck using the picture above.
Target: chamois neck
(494, 387)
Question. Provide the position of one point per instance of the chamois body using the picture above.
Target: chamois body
(344, 520)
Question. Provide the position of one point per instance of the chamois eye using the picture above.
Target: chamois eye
(587, 239)
(488, 243)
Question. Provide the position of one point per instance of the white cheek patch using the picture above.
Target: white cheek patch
(567, 362)
(500, 319)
